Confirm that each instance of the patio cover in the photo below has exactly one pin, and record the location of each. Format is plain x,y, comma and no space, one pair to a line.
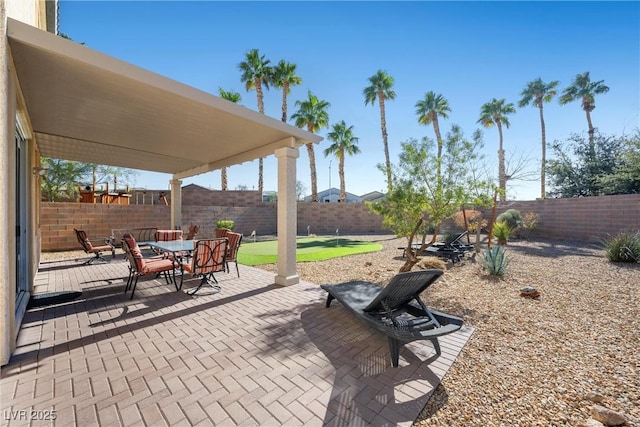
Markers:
89,107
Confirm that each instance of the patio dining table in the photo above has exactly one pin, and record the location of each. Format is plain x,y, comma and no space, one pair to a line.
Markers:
176,247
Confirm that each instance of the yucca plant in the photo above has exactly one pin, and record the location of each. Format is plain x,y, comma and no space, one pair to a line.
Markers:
623,247
496,260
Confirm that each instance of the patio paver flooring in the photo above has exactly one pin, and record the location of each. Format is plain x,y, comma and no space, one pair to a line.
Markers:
253,354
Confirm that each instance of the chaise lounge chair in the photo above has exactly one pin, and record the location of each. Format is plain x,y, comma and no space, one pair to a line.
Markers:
453,248
396,310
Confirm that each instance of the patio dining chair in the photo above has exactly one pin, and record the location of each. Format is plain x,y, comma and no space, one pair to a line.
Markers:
166,236
88,247
140,266
208,257
232,250
193,230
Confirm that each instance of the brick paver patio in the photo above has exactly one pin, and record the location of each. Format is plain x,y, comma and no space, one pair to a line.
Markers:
253,354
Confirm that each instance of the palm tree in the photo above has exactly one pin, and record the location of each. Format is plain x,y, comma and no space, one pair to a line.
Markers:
492,113
428,110
343,143
380,88
256,73
235,98
312,114
584,90
536,94
284,76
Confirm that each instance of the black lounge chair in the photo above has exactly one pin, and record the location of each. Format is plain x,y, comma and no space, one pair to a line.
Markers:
453,248
396,310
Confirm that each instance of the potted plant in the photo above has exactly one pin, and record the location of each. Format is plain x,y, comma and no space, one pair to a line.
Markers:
223,225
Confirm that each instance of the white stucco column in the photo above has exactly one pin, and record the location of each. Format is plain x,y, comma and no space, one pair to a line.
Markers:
287,216
176,203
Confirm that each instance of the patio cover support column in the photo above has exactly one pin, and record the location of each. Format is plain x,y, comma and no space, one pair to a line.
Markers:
287,216
176,204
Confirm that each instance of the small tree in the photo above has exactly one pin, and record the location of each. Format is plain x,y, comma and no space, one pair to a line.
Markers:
611,168
60,182
418,197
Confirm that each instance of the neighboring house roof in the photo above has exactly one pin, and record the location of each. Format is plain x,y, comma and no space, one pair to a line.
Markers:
195,187
132,117
372,196
334,193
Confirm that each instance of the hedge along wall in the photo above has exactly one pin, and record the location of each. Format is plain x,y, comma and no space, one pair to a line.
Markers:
585,219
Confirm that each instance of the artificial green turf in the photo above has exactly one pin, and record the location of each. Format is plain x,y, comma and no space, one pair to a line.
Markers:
307,249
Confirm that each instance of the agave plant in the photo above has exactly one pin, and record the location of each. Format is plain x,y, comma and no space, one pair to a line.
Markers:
496,260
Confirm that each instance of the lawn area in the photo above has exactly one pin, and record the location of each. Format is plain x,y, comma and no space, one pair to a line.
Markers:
308,249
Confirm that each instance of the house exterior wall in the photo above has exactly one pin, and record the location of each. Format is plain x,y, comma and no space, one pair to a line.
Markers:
32,12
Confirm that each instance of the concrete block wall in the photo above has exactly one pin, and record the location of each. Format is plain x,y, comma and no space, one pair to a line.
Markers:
584,219
349,218
199,196
57,221
262,219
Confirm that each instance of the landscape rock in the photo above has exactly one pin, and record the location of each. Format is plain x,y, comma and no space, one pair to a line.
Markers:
594,397
607,417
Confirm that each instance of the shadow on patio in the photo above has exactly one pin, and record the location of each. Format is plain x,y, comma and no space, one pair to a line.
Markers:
253,354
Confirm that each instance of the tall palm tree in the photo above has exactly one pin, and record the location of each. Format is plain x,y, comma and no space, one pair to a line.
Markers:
536,94
344,142
584,90
312,114
256,73
492,113
428,110
380,88
284,76
235,98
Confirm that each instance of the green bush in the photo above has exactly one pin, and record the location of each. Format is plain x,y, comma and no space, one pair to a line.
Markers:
623,247
225,223
496,260
512,217
502,231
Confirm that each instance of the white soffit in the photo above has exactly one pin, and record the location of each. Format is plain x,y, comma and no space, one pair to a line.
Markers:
89,107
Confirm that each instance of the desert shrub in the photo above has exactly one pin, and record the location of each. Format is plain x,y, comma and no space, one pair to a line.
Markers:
623,247
502,231
512,217
225,223
530,221
473,219
429,263
496,260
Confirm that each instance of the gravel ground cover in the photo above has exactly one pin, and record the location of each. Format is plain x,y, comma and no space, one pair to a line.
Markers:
552,361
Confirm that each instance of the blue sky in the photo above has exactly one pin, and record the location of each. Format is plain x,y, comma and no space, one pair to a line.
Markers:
470,52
